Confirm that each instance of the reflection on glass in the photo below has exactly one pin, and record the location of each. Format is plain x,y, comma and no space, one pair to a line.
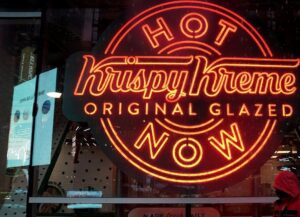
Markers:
83,194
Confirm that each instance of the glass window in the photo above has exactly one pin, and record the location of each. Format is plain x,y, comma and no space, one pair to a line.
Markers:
78,169
19,34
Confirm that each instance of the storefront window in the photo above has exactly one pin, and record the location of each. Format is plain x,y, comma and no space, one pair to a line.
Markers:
77,169
19,35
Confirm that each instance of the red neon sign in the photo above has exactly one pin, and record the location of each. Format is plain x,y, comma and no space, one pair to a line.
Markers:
181,97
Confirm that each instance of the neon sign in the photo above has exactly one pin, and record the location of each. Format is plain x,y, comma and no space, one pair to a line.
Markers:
186,91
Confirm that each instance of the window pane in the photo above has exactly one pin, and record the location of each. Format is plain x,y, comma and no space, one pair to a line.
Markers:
18,39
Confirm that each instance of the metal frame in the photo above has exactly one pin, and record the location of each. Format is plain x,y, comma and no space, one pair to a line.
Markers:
29,14
220,200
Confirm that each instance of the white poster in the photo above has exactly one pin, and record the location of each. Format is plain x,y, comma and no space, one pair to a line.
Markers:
20,131
44,119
